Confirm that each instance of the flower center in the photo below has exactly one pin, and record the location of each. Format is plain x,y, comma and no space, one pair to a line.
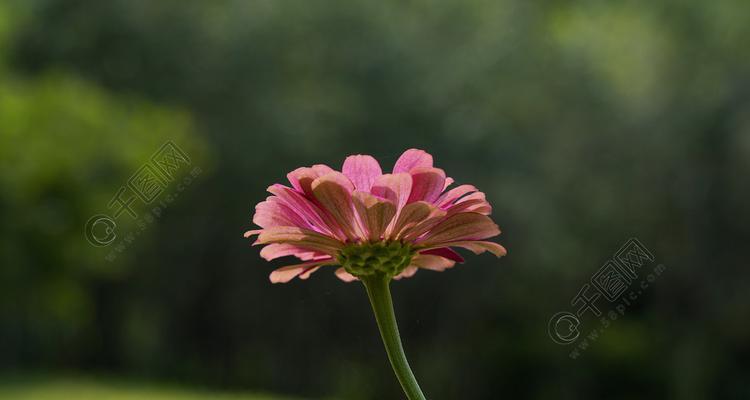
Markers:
365,259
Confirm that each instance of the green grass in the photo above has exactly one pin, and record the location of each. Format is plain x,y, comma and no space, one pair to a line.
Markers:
88,389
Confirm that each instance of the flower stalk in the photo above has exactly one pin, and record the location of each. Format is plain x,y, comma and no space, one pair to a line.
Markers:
378,290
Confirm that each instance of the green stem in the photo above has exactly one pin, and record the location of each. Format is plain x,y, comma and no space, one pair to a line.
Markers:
382,305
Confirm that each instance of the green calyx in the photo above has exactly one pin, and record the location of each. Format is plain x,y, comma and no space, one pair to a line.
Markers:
368,259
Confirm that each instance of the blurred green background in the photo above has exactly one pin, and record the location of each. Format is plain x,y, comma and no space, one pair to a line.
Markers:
585,122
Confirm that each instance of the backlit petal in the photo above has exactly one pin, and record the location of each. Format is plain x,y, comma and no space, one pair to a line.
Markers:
302,178
362,170
479,247
427,184
300,237
432,262
475,205
274,212
394,187
411,159
333,191
374,212
345,276
446,252
252,233
454,194
412,217
278,250
306,274
286,274
461,227
306,209
408,272
448,181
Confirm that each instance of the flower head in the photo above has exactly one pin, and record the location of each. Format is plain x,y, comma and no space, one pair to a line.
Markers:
370,223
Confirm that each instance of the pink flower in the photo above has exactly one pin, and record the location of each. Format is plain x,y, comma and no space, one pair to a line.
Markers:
369,222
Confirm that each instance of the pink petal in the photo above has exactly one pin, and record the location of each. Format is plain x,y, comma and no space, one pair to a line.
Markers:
252,233
474,202
479,247
414,215
448,181
306,274
302,178
362,170
446,252
485,208
333,191
300,237
411,159
394,187
338,178
408,272
274,212
345,276
427,184
461,227
452,195
374,212
286,274
278,250
432,262
476,205
473,196
307,210
412,231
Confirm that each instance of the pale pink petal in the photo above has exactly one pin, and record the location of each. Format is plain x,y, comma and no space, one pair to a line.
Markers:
479,247
474,202
411,159
274,212
410,215
278,250
333,191
302,178
446,252
252,233
427,184
485,208
306,274
461,227
307,209
415,219
475,205
362,170
432,262
448,181
286,274
300,237
345,276
482,206
394,187
374,212
408,272
452,195
470,197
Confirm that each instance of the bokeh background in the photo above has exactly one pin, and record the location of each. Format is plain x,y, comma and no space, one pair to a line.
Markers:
585,122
